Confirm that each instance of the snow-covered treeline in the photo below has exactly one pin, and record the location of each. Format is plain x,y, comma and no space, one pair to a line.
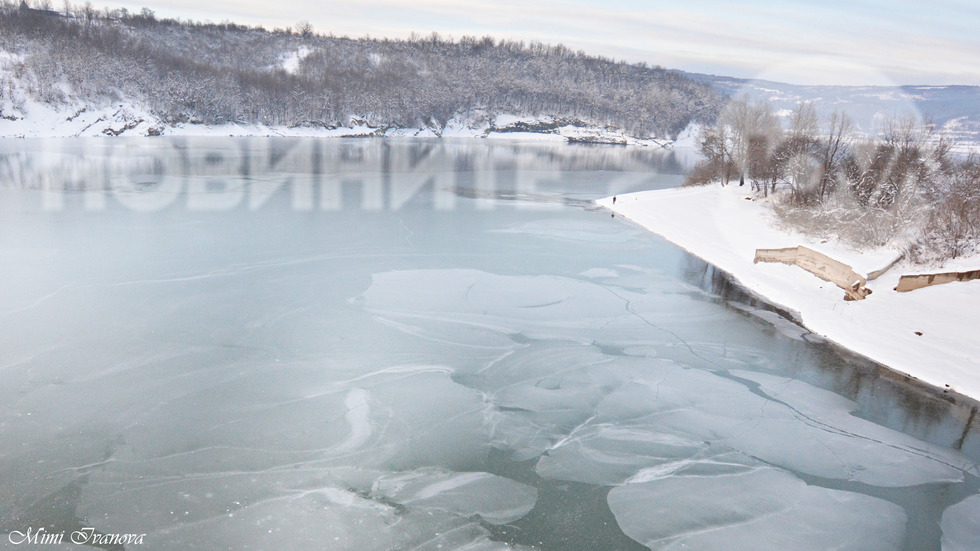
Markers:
186,72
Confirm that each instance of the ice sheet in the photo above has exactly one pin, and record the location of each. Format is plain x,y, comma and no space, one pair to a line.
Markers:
609,454
541,306
306,506
568,412
961,525
797,427
325,465
473,308
303,505
495,499
754,507
663,417
324,519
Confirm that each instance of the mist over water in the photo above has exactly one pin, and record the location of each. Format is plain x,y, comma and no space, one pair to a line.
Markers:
411,344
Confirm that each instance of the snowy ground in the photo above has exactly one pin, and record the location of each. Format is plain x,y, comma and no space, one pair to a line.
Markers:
724,226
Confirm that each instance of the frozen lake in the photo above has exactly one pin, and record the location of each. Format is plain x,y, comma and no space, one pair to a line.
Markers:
411,344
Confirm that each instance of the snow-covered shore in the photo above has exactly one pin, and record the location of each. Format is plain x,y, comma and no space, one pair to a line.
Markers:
725,225
39,120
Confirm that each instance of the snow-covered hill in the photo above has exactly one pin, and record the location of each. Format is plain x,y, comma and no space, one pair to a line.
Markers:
137,74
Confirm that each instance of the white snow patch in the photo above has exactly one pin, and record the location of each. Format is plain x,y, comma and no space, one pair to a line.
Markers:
245,130
40,120
502,121
290,61
689,137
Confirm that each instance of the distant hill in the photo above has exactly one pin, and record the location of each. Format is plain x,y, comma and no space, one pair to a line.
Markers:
81,71
80,62
954,109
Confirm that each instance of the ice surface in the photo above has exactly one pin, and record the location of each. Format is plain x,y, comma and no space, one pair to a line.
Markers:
495,499
591,415
539,306
275,378
376,419
584,231
779,323
305,505
426,302
871,454
658,421
598,273
609,454
961,525
319,519
66,544
756,508
302,469
544,394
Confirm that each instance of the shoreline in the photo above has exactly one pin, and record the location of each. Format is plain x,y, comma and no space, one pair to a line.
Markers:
854,367
724,225
128,119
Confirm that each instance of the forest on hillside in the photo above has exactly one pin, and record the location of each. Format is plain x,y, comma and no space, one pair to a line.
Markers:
208,73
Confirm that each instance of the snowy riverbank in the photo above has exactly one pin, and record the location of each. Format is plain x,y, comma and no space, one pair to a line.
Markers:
724,226
39,120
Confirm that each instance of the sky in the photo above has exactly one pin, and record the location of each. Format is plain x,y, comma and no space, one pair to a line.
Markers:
801,42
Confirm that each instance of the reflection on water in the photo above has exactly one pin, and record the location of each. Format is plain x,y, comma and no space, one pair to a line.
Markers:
217,174
388,344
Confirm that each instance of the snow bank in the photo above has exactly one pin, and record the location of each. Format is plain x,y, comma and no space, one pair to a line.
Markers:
928,334
548,128
39,120
30,119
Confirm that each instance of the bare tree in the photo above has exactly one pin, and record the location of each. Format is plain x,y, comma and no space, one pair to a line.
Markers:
803,172
304,28
835,149
746,121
